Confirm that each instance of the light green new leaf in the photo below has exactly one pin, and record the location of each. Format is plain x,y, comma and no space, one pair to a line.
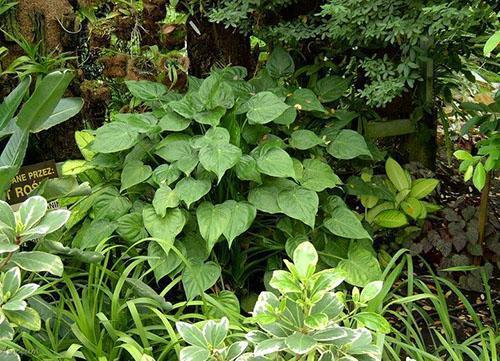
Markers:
213,220
373,321
241,217
370,291
133,173
36,261
299,203
348,144
167,227
479,177
31,211
199,277
29,319
191,190
318,176
344,223
110,205
391,218
305,259
397,175
275,162
165,198
265,107
423,187
304,139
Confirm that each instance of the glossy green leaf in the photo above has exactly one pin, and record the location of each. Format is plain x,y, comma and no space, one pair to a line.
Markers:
391,218
114,137
213,220
219,157
265,107
36,261
479,177
299,203
331,88
305,259
280,64
165,228
423,187
276,163
304,99
397,175
165,198
199,277
241,217
12,101
304,139
191,190
344,223
318,176
348,144
300,343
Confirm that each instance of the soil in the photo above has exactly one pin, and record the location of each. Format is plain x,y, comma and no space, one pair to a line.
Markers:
51,11
115,66
140,69
173,35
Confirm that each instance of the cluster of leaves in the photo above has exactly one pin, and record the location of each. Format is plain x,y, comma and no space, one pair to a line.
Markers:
31,223
302,319
43,110
228,155
390,38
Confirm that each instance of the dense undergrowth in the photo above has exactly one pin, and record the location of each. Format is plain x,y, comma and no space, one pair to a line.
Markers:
253,214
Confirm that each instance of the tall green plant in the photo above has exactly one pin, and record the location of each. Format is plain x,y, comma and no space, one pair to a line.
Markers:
43,110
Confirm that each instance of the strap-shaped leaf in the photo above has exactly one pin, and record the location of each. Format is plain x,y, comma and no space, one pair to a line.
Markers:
12,102
44,100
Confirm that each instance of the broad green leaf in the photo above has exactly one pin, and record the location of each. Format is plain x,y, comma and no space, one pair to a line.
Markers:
219,157
265,107
194,353
246,169
491,44
305,100
199,277
215,92
361,267
330,304
110,205
305,259
191,334
51,222
304,139
165,174
423,187
413,207
65,109
11,281
12,101
36,261
348,144
44,100
75,167
162,262
174,147
165,198
265,199
284,282
318,176
479,177
92,233
299,203
241,217
146,90
316,321
391,218
397,175
32,211
344,223
275,162
210,117
134,172
131,227
373,321
287,117
370,291
331,88
223,303
165,228
29,318
330,334
216,332
114,137
269,346
300,343
7,215
173,122
213,220
280,64
191,190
